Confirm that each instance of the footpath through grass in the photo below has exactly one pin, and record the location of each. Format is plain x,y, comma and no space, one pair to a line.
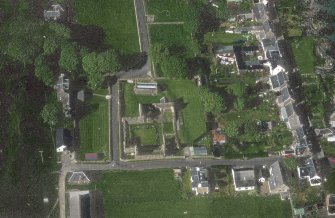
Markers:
156,193
94,127
303,51
116,17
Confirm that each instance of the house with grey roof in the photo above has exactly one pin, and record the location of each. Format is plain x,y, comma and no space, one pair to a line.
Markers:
278,81
53,14
63,94
307,171
287,111
244,178
199,180
284,97
63,139
293,122
276,180
268,30
270,48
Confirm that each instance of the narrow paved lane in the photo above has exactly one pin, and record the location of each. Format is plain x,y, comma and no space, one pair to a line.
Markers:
141,25
171,163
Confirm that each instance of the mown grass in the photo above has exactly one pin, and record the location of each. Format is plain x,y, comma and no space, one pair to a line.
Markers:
303,51
156,193
227,38
192,116
116,17
94,128
174,37
149,134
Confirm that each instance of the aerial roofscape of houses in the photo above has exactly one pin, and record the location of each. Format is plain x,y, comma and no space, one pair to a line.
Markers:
244,178
63,94
218,137
199,180
276,180
307,171
63,139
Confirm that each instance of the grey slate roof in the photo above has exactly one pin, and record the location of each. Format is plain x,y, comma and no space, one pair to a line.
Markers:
224,49
63,137
277,80
276,181
244,177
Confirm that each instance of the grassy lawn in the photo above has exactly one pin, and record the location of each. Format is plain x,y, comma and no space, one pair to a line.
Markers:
168,127
94,128
131,100
226,38
149,134
175,36
155,193
168,10
116,17
192,116
303,50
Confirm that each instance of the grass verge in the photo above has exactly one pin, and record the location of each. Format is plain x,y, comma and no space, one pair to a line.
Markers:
94,128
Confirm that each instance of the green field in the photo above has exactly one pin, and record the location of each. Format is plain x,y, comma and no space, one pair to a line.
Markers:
156,193
116,17
176,37
149,134
304,54
192,116
94,127
131,100
168,10
226,38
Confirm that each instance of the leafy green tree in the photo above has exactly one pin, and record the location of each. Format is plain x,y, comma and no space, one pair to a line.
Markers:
95,80
42,71
69,58
291,164
213,103
60,30
231,129
108,62
239,103
237,89
174,67
52,112
20,47
90,63
50,45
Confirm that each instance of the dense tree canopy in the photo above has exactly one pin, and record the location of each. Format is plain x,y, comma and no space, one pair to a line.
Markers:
69,58
213,103
97,65
52,112
42,71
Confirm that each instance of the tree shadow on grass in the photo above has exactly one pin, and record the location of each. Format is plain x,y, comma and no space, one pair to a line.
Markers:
89,36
